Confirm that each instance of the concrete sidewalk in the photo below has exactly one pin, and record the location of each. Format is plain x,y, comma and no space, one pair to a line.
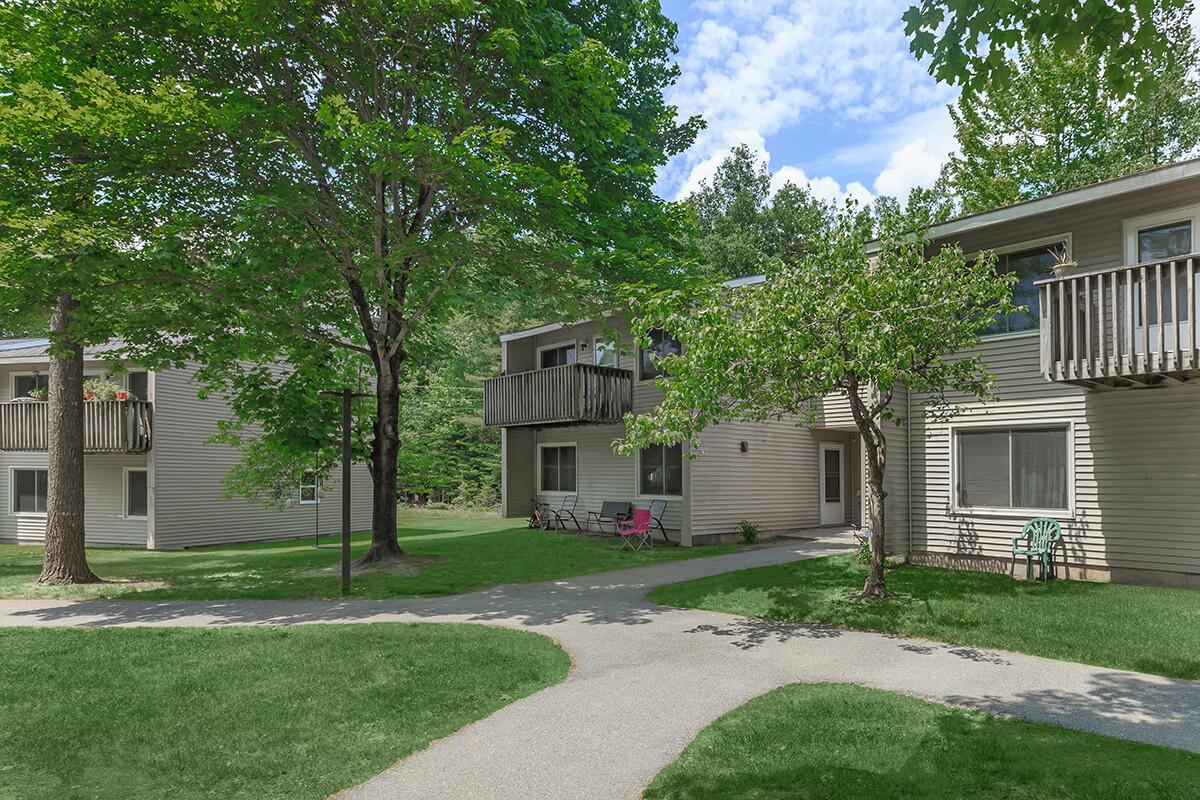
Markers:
648,678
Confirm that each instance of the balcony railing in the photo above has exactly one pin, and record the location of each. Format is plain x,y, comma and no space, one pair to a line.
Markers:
109,426
570,394
1124,327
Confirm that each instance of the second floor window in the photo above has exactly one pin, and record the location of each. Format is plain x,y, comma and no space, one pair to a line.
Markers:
24,384
1164,241
605,352
139,385
557,356
1029,266
661,344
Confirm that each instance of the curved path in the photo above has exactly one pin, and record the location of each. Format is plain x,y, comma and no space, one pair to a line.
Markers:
647,678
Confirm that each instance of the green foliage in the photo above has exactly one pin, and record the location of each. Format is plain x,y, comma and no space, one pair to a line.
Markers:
835,322
1057,125
969,42
100,389
862,551
748,531
96,131
740,224
475,154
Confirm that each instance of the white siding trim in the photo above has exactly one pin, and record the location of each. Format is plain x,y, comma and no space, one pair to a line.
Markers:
1131,226
1018,513
12,491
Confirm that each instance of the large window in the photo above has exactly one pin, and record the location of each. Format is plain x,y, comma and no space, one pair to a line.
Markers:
137,493
557,356
310,488
661,344
558,467
1029,265
1158,243
1014,468
23,385
29,491
660,471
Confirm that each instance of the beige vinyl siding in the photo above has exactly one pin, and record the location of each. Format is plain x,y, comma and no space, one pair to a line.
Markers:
103,501
189,472
600,473
1136,471
775,483
103,488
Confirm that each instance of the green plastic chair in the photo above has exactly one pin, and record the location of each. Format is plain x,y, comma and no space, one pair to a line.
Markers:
1042,534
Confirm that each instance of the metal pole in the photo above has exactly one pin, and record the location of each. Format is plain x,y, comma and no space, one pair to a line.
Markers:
346,397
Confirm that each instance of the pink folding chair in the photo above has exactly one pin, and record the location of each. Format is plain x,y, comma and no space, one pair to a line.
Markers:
635,532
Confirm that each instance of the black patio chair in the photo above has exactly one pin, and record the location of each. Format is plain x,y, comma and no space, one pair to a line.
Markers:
611,512
566,511
658,508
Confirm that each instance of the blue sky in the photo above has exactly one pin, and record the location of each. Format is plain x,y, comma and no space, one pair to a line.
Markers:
825,89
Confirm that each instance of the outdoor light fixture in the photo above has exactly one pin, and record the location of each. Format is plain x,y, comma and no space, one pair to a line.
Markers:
745,447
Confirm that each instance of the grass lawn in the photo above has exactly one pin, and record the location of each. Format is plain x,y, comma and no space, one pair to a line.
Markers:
1140,628
847,742
303,712
459,552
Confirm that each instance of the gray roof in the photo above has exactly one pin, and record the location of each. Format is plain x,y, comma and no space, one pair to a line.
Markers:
28,349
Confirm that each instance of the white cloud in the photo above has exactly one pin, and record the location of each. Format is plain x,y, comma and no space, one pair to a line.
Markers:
823,188
912,165
755,68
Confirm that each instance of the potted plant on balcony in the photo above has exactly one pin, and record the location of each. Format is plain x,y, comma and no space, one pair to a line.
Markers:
97,389
1063,265
37,394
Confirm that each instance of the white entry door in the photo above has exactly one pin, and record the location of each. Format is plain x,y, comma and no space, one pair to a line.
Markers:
833,492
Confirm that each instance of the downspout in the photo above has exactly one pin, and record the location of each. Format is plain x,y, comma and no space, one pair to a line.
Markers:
908,469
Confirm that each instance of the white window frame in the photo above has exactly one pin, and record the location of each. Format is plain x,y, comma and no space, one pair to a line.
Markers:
597,341
567,343
316,501
983,426
1063,239
1134,224
12,491
556,492
125,492
637,478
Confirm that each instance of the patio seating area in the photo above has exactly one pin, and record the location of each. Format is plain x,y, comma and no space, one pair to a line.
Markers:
613,518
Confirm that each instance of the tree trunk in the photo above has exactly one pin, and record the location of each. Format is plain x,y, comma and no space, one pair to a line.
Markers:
876,585
385,545
66,557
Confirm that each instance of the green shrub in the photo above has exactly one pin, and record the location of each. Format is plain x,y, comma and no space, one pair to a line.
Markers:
862,553
748,531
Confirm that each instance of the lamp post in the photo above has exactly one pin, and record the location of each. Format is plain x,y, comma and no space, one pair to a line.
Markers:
347,396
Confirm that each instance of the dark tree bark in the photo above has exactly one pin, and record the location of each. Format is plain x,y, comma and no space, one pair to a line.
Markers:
385,450
66,557
874,446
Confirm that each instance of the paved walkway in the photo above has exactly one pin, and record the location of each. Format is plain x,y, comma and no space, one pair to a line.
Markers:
648,678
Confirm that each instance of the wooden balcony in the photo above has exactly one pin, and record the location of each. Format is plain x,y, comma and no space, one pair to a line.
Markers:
568,395
1128,327
109,426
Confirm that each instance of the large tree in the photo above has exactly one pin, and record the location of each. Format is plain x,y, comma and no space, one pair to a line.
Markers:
391,163
837,322
740,221
1056,124
968,42
93,136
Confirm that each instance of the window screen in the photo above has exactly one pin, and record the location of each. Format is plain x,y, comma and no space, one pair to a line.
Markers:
558,468
137,493
29,491
1019,468
661,470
